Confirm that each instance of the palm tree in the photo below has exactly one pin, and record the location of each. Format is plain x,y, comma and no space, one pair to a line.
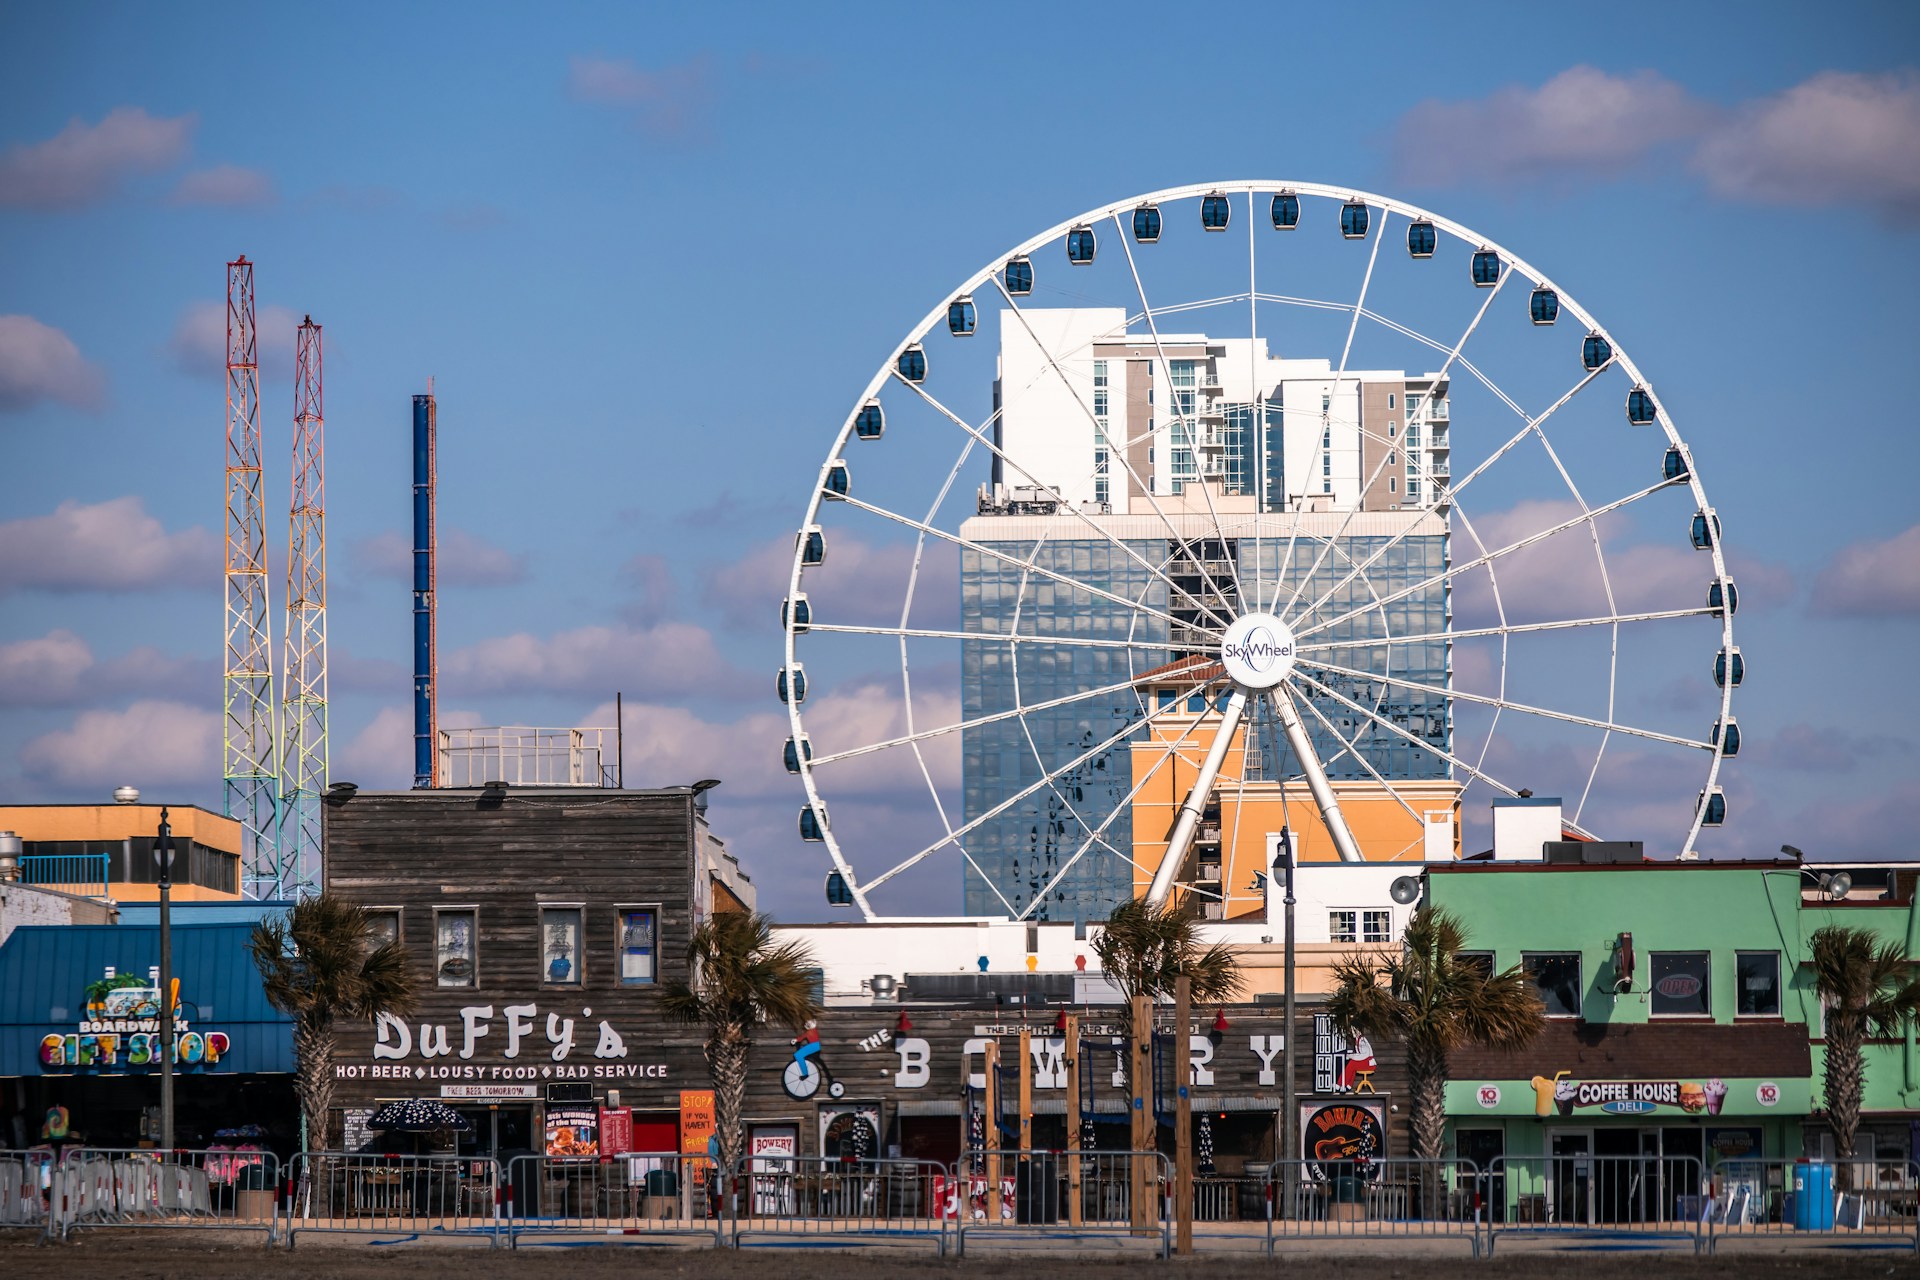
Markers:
738,980
1435,1000
1143,949
1867,987
319,965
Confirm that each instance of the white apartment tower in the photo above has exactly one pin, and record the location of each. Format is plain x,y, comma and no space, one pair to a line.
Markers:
1097,417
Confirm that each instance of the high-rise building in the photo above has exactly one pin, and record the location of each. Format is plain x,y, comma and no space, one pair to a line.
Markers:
1137,487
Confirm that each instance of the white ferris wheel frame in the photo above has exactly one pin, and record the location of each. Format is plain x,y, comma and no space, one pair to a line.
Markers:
1309,672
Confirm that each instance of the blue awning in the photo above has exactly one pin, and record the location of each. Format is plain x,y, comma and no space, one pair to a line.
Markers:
60,1014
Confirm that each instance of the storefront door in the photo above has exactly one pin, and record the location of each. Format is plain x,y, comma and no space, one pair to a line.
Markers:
1570,1175
500,1131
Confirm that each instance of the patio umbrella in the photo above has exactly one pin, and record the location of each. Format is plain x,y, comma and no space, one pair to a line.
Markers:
418,1115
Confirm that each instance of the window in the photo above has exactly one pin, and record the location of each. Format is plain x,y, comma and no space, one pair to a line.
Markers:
456,962
1389,399
1326,403
1099,373
1480,960
560,945
1376,926
1197,703
1682,983
637,946
383,926
1343,926
1390,430
1556,976
1393,483
1392,457
1756,984
1163,699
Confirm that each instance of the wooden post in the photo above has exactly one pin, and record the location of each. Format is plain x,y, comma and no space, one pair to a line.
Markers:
1073,1118
1183,1115
1026,1092
991,1099
1144,1130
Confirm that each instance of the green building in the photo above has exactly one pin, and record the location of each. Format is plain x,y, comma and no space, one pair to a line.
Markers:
1682,1019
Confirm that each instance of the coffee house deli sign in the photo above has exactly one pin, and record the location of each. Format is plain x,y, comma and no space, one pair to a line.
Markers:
1564,1095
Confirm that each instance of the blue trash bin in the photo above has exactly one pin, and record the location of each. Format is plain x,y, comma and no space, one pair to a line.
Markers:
1812,1196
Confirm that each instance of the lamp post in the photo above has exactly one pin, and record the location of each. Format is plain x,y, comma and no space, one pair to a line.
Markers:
163,854
1289,1118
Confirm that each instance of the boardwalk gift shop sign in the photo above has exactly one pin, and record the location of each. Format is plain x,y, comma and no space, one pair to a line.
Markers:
122,1029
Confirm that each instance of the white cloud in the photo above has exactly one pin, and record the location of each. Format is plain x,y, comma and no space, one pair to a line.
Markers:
151,744
105,546
860,584
88,162
44,671
39,362
667,102
59,670
1582,121
226,185
1873,579
1836,138
671,659
380,756
461,559
199,341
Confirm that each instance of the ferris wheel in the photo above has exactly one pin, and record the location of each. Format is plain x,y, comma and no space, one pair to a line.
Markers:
1242,508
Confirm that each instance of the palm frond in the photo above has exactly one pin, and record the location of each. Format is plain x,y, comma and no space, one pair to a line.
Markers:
1144,950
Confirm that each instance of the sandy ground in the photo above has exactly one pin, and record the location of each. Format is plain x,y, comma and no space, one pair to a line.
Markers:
150,1255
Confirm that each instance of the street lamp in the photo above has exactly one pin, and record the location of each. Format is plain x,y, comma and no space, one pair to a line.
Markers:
163,854
1289,1140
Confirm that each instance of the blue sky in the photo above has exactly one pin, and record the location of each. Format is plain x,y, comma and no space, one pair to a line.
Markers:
650,255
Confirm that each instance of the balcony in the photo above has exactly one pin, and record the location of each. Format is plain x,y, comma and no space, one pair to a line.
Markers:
81,874
528,757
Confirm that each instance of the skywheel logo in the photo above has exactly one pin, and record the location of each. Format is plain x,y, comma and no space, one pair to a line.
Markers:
1257,651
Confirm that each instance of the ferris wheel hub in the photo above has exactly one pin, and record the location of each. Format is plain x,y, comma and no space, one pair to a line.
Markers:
1258,651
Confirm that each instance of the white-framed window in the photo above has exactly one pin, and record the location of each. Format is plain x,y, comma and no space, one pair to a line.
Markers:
1756,984
639,945
1343,925
1682,984
1376,926
456,946
1326,404
1556,977
383,926
1099,373
562,961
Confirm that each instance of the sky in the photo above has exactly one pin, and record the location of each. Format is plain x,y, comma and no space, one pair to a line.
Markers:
650,256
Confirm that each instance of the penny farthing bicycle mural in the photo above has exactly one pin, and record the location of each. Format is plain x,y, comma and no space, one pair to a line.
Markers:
1235,507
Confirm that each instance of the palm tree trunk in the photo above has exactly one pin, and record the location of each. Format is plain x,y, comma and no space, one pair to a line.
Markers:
727,1052
1842,1085
313,1086
1427,1081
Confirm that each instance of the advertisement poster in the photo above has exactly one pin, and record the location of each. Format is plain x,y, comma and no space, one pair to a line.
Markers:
1352,1134
850,1131
573,1129
616,1130
771,1149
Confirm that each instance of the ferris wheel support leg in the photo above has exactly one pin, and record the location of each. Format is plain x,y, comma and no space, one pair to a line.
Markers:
1323,796
1189,819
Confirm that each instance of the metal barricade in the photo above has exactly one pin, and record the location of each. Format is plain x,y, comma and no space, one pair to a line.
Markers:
140,1187
441,1196
1060,1195
1781,1202
788,1199
24,1181
638,1195
1394,1198
1643,1197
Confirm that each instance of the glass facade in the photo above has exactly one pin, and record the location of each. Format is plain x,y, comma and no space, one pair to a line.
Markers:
1020,850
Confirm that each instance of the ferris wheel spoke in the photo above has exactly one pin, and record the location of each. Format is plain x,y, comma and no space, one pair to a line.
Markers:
960,726
1320,450
1361,757
1104,744
981,548
1523,708
1083,517
1454,571
1003,637
1120,455
1181,423
1455,490
1097,834
1471,633
1425,420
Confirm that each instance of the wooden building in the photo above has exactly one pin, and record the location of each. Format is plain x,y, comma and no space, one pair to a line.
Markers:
543,923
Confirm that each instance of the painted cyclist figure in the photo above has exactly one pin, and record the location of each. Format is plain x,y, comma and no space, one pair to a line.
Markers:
803,1075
